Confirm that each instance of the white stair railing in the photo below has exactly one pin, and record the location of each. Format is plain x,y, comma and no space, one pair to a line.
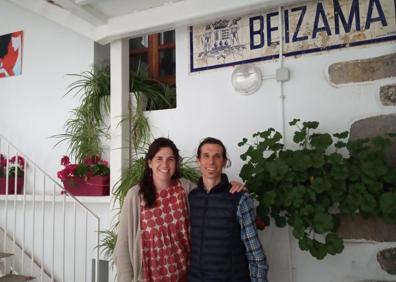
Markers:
55,234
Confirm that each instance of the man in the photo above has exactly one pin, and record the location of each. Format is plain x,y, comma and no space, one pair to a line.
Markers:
225,244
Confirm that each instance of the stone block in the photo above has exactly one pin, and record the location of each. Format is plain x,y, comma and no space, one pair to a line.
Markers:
388,95
387,259
363,70
369,228
376,126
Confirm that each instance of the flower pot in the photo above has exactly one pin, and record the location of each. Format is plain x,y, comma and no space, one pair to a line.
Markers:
93,186
11,185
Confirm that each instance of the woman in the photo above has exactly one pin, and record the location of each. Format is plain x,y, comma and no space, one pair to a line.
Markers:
153,241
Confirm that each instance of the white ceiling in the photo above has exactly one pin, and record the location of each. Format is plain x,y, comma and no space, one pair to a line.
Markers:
107,20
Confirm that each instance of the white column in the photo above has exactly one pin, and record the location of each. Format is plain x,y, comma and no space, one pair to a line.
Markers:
119,61
119,71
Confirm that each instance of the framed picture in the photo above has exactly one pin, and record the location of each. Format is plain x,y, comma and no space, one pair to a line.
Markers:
11,54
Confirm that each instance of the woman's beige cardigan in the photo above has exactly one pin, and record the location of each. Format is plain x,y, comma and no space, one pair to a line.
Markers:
127,254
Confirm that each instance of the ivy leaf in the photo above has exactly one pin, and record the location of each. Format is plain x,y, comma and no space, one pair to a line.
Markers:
322,223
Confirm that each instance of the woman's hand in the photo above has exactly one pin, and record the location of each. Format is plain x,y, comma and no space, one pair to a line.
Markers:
237,187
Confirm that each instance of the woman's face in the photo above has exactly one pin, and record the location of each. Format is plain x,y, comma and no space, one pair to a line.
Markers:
163,164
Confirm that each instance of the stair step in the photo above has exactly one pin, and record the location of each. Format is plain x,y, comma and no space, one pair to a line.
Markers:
4,255
15,278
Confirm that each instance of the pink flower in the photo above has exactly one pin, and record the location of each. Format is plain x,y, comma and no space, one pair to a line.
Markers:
106,163
65,161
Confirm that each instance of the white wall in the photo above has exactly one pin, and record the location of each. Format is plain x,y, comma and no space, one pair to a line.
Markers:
207,105
32,106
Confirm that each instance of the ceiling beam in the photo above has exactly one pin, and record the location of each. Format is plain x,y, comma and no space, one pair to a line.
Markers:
85,12
58,15
169,16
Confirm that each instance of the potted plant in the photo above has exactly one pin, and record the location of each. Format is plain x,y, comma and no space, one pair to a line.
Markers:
326,176
16,167
91,177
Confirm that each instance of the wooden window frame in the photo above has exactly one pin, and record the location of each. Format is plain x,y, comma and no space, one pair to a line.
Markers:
153,57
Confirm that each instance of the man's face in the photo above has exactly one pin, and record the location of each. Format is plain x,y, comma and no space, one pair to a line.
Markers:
211,161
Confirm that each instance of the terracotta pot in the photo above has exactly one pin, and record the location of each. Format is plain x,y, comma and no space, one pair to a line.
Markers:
11,185
94,186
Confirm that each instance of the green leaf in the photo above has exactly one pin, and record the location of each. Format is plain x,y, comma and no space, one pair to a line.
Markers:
243,142
388,203
311,124
280,221
341,135
318,250
305,243
321,141
339,172
321,185
268,198
334,244
340,144
368,203
299,136
294,121
335,158
277,169
322,223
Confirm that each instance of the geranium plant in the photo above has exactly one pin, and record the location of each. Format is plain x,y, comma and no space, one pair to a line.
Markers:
16,166
308,188
89,167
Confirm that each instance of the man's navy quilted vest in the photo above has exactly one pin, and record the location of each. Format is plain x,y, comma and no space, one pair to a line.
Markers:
218,253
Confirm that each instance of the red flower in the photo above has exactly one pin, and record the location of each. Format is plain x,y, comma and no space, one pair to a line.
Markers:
260,223
92,160
3,160
21,161
90,166
65,161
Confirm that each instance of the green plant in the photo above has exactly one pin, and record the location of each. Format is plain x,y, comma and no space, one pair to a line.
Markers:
86,129
307,188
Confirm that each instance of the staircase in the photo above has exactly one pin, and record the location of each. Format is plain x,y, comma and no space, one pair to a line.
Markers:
46,234
11,277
